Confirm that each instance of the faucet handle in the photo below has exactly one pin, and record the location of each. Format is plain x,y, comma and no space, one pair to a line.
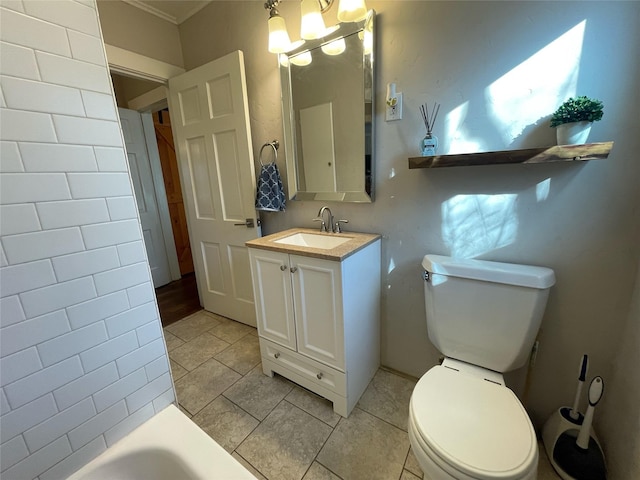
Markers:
339,225
323,226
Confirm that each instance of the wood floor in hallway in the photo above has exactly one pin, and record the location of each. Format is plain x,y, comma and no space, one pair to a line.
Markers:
178,299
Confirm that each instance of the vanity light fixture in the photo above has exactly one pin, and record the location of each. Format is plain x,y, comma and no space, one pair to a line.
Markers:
311,23
352,10
279,41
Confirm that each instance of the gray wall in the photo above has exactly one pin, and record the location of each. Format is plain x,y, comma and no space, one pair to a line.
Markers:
620,410
133,29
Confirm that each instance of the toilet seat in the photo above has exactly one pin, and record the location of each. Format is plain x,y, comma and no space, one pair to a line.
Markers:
471,427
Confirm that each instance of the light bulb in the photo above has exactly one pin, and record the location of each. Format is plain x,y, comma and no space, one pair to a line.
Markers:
311,24
302,59
278,37
334,48
352,10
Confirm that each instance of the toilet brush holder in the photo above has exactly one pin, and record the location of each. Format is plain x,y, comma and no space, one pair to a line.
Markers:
571,443
559,439
557,424
573,463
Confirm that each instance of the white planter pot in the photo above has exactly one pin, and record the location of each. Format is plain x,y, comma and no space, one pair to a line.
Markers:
574,133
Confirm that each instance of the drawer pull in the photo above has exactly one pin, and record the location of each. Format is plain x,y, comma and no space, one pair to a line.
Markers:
319,376
283,268
276,355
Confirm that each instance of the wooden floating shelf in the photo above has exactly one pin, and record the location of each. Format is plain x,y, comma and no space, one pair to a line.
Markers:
557,153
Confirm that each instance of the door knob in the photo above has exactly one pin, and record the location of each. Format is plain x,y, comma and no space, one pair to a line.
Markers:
283,267
248,223
294,269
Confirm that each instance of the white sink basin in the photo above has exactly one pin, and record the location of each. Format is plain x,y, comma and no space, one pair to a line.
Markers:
313,240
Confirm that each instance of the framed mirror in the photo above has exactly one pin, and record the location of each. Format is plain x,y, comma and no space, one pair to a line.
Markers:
327,104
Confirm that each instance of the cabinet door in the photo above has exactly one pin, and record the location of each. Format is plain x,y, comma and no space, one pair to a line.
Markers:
272,286
317,299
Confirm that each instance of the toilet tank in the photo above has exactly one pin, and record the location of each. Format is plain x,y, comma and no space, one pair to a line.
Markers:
485,313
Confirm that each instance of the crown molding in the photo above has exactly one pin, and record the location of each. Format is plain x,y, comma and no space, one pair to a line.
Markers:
152,10
164,15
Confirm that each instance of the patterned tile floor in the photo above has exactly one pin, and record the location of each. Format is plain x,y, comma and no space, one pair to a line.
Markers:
279,430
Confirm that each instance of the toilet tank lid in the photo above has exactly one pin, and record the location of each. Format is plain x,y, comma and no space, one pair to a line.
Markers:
485,270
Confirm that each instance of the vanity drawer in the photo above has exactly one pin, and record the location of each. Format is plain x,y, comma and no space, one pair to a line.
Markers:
309,369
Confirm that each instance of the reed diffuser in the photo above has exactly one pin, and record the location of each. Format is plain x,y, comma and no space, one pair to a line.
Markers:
429,143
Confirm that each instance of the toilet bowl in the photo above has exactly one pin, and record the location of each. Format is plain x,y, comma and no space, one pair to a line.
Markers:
464,422
463,426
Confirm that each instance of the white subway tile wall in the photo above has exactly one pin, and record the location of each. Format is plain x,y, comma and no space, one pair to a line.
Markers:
111,160
3,258
86,48
140,294
122,208
82,358
48,157
20,218
9,150
20,61
10,311
130,253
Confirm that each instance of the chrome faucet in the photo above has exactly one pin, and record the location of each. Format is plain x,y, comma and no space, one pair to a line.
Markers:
331,225
328,225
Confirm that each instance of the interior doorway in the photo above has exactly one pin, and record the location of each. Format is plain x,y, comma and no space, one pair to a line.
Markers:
178,298
215,157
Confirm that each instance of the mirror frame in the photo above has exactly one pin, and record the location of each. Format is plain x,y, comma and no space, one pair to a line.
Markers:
289,121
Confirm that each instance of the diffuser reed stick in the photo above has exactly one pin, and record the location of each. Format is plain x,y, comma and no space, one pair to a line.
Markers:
429,118
429,143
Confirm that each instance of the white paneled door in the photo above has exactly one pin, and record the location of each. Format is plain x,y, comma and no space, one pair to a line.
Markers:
141,175
210,118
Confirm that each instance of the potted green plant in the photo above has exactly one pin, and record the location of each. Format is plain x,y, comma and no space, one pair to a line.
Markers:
573,119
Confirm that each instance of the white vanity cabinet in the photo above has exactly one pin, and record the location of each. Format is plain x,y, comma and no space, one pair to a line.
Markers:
318,319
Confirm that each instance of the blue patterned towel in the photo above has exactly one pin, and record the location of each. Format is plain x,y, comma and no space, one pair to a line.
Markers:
270,195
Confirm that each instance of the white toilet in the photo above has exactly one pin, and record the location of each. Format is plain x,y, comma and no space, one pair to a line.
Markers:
464,423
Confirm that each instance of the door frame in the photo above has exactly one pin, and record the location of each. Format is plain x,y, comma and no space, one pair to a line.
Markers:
124,62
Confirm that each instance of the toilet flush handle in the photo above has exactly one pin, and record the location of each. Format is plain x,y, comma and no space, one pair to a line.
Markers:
426,276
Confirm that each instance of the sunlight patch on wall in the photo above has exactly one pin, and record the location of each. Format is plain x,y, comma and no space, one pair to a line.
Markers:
392,266
476,224
459,141
536,87
542,190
